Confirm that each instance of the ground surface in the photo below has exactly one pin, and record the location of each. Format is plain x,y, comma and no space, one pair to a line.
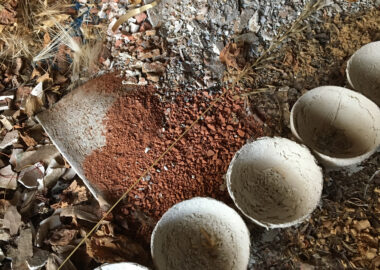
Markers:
186,49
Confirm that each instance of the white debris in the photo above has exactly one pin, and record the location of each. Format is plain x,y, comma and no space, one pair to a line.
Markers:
253,23
38,91
134,27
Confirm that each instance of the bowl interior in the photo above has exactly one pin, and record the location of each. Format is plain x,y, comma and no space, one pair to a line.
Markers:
200,234
275,181
337,122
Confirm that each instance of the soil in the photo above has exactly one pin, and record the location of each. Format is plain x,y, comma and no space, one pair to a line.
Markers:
140,127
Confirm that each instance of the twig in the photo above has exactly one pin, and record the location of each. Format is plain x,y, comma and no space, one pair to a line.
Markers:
369,181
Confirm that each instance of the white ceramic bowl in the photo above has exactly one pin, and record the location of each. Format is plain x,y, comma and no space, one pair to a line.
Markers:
363,71
341,126
201,234
275,182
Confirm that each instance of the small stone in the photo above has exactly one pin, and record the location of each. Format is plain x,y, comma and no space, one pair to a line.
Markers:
150,32
149,54
130,80
152,77
155,67
253,23
118,43
142,81
134,27
210,153
241,133
141,17
145,26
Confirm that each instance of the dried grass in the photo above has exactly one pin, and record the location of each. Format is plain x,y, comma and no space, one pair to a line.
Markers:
34,18
246,76
85,62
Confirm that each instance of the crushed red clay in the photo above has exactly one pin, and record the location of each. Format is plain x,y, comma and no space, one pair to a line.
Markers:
140,127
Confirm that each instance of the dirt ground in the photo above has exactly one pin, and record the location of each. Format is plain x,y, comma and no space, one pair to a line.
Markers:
46,210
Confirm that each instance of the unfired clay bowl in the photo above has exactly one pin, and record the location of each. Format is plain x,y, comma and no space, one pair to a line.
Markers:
202,234
341,126
121,266
363,71
275,182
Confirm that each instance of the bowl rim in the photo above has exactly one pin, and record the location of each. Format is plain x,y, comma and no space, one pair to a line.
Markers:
327,160
269,225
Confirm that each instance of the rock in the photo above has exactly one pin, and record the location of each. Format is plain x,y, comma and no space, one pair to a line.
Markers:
245,17
145,26
153,77
149,54
141,17
253,24
155,67
134,27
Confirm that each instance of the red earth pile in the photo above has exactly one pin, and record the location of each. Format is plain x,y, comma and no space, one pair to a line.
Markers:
140,127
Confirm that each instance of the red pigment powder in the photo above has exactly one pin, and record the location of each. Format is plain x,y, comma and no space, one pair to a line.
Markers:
140,128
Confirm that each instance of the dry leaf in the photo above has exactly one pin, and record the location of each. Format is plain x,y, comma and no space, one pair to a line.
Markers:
12,220
24,250
75,193
21,95
35,73
18,66
6,122
46,225
38,260
79,212
44,154
9,139
53,172
62,237
47,39
54,262
32,176
33,105
29,141
45,77
114,249
233,55
8,178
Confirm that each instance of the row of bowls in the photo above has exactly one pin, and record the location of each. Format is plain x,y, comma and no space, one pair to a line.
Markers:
275,182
